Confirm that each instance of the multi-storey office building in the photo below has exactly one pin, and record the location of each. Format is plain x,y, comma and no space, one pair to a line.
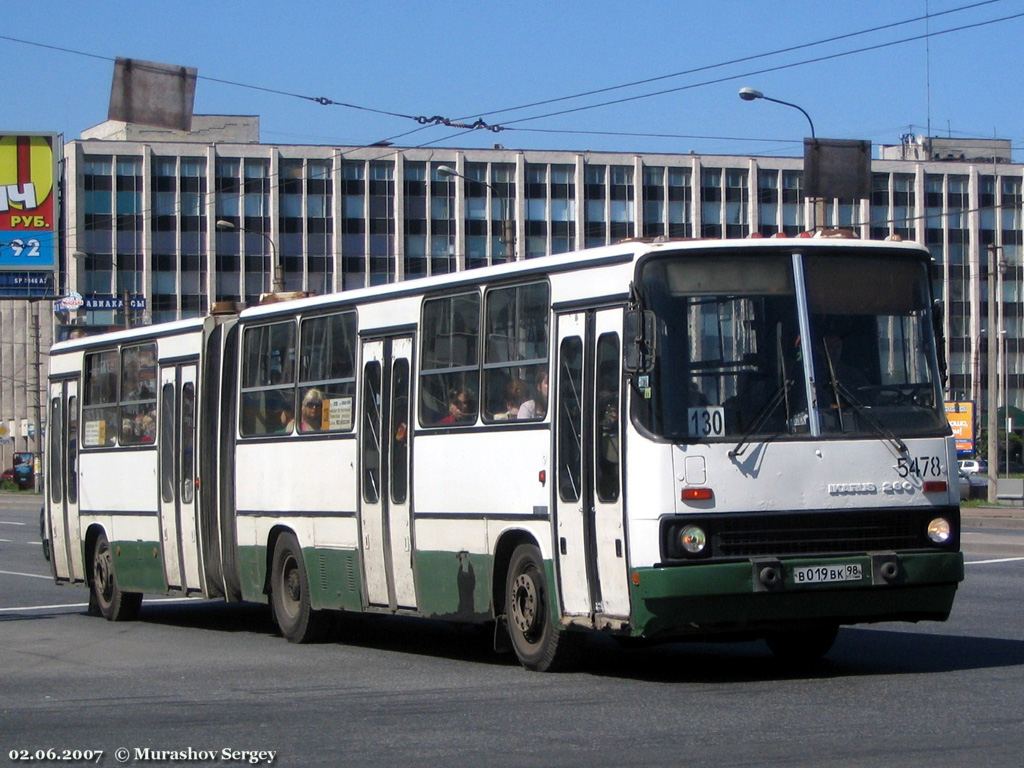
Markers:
176,221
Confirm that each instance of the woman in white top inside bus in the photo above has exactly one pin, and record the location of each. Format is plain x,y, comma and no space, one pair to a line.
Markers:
538,406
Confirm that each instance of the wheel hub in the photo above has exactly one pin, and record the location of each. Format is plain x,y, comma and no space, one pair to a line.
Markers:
524,603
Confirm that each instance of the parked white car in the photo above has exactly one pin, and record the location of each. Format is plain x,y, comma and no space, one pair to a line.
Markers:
973,466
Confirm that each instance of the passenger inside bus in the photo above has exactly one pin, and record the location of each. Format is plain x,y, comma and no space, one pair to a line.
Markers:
515,394
460,407
312,411
538,406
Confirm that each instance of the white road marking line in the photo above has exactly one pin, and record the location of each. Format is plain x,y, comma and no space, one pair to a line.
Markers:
32,575
10,522
86,605
7,541
1000,560
44,607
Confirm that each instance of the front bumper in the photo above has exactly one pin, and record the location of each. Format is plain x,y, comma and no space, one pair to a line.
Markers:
733,598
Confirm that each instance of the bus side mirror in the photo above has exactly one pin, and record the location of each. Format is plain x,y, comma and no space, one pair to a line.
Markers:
640,332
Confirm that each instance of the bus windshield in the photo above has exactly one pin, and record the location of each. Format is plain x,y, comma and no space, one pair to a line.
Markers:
727,362
873,346
731,363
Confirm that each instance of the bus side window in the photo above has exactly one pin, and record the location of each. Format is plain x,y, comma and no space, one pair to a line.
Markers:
516,351
327,368
138,395
450,366
99,406
268,380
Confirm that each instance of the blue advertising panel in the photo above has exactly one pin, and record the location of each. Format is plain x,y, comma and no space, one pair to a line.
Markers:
28,214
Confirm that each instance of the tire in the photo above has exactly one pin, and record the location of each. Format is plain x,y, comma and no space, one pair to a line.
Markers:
539,645
804,645
106,598
289,595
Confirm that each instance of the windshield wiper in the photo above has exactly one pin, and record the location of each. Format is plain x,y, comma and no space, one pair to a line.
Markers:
781,395
862,411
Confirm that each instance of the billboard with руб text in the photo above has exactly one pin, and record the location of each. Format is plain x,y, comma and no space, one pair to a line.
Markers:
28,213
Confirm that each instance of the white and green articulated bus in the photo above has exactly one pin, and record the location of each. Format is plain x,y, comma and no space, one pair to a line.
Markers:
655,440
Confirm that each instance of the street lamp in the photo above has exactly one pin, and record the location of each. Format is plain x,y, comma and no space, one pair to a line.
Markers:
278,275
508,235
752,94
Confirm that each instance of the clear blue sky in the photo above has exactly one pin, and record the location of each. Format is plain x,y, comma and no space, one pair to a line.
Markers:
470,59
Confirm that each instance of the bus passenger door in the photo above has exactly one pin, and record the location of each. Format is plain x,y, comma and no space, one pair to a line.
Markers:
590,533
177,470
371,474
573,560
62,482
605,416
385,528
398,436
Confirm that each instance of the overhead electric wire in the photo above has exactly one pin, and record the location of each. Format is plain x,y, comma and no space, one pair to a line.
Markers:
739,60
777,68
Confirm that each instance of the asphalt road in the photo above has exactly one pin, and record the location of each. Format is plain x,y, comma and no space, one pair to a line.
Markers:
209,677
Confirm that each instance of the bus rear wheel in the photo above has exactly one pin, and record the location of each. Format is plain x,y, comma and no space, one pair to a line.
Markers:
106,598
289,595
539,645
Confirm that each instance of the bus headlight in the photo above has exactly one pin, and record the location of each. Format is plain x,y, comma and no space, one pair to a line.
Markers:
693,539
939,530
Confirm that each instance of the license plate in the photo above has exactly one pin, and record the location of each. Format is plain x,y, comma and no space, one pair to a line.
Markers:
825,574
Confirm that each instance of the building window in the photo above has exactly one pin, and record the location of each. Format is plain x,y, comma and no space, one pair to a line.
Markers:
680,202
595,221
475,222
382,221
442,222
768,201
415,188
736,200
503,201
319,225
353,224
654,201
536,210
711,202
620,202
792,202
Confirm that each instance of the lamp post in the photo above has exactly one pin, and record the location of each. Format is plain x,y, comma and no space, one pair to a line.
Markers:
277,286
508,236
752,94
992,386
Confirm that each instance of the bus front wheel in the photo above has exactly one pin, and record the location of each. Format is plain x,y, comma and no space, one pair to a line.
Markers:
539,645
289,595
106,598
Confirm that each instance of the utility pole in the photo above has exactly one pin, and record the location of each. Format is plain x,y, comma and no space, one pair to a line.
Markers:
992,386
37,406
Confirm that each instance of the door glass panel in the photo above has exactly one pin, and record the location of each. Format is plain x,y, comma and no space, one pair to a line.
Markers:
56,471
400,431
188,434
570,410
167,442
72,458
606,417
371,432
